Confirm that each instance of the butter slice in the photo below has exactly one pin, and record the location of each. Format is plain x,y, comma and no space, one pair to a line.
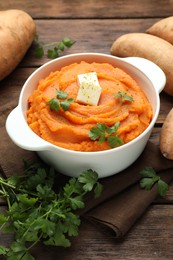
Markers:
89,89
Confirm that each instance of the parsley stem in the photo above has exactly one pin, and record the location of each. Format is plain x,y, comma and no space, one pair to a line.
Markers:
3,183
2,226
50,44
40,217
6,196
6,184
33,244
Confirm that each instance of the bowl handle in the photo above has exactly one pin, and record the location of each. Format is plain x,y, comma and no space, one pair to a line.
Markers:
151,70
21,134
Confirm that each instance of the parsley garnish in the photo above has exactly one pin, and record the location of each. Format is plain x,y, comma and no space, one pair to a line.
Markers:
60,101
104,133
123,96
149,178
54,52
36,213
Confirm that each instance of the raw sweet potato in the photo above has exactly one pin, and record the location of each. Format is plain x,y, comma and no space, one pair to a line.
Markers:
17,31
163,29
166,136
150,47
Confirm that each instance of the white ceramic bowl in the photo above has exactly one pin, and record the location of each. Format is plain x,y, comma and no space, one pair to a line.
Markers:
148,75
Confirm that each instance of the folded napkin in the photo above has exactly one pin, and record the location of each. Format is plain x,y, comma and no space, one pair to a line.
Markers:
119,213
122,201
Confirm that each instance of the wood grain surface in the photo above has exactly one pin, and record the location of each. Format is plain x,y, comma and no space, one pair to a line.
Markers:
94,25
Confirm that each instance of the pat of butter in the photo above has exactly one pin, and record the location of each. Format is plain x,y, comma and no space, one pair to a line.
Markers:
89,89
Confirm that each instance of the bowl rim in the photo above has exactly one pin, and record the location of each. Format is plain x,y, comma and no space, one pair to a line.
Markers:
50,146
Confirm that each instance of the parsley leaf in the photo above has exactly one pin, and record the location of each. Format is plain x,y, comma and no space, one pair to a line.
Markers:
113,129
3,250
88,178
147,183
150,178
98,132
39,52
67,42
114,141
36,213
54,104
54,52
66,104
163,187
60,101
104,133
61,94
123,96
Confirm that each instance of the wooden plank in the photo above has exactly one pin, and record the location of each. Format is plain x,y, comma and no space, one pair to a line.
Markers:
94,25
153,242
91,35
147,239
10,90
91,9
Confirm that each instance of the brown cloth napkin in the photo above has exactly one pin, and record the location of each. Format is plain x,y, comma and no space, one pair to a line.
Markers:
120,212
122,201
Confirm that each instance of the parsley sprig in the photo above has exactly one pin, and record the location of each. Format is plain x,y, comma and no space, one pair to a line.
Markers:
104,133
149,178
37,213
54,48
123,96
60,101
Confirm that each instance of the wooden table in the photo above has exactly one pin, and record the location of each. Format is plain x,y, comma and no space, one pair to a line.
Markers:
94,25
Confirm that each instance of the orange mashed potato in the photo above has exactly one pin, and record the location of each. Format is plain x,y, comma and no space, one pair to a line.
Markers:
69,129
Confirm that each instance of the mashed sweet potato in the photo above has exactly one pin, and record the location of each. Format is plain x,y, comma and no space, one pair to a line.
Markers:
69,129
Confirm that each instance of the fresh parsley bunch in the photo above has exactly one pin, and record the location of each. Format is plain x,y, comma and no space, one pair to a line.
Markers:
36,213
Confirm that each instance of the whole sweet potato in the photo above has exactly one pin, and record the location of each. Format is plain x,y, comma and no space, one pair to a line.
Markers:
17,31
150,47
166,136
163,29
